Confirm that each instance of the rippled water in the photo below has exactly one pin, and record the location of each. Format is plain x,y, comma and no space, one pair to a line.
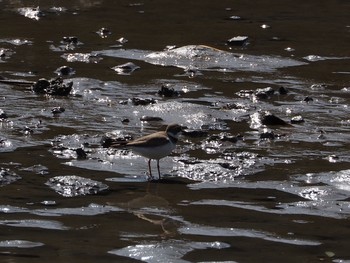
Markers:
238,188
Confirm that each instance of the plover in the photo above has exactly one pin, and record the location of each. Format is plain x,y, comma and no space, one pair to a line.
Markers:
154,146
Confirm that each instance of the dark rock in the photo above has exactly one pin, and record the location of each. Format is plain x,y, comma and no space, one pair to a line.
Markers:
3,115
150,118
108,141
140,101
27,130
104,32
57,110
223,137
5,53
308,99
282,90
264,93
81,154
228,166
230,106
41,85
270,119
126,120
7,177
65,71
52,87
194,133
70,40
72,185
165,91
123,102
267,135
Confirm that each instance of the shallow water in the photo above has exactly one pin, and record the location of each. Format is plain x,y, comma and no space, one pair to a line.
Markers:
236,189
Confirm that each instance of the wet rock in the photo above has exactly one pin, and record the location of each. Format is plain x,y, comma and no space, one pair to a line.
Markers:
37,169
5,53
3,115
245,93
238,41
122,40
82,57
52,87
234,17
165,91
31,12
123,102
27,131
224,137
141,101
7,177
150,118
72,185
65,71
126,120
228,166
81,154
297,119
308,99
4,143
125,69
264,93
282,91
108,140
270,135
70,40
104,32
194,133
270,119
57,110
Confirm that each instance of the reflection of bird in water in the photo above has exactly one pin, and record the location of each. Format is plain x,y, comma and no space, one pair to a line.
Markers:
154,146
153,209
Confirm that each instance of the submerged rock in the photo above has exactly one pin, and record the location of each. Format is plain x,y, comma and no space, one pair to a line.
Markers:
194,133
125,69
165,91
238,41
264,93
7,177
141,101
3,115
224,137
282,91
103,32
70,40
52,87
65,71
270,119
57,110
72,185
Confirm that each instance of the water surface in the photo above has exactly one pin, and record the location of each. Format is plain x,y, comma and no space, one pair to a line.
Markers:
236,189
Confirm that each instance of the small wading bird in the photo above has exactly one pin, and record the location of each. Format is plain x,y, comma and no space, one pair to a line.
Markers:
154,146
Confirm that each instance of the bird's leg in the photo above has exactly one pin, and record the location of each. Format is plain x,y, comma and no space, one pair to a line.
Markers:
150,170
158,169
